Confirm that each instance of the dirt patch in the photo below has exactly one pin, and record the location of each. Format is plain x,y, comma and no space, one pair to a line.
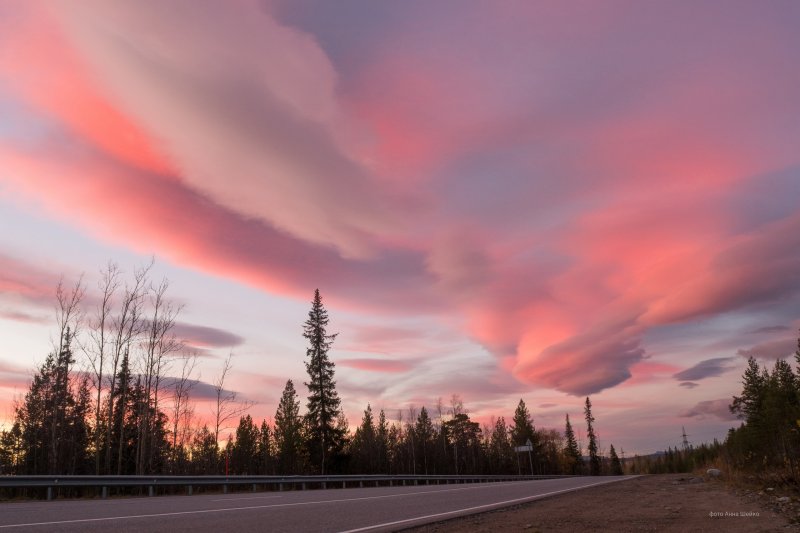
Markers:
672,502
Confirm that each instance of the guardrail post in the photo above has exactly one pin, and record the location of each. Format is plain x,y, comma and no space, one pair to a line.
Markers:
49,493
150,491
304,486
344,484
254,487
391,483
190,490
224,489
280,487
104,493
324,485
360,484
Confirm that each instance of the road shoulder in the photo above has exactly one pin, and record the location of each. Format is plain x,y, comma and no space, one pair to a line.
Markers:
648,503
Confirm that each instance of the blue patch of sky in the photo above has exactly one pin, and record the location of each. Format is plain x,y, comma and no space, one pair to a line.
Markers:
20,123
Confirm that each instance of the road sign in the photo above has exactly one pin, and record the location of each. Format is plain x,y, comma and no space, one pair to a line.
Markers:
520,449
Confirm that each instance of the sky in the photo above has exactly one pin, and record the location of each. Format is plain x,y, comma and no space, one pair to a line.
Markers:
541,200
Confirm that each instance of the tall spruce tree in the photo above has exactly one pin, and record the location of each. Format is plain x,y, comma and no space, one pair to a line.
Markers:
571,451
325,435
594,459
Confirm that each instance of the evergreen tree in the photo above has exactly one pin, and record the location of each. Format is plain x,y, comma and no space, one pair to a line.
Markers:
425,438
204,452
616,465
382,443
501,451
325,434
288,433
364,446
12,451
265,461
571,451
124,423
464,437
754,382
244,452
52,419
797,357
594,459
523,431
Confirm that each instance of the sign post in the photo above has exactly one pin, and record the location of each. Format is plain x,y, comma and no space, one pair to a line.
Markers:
528,447
529,444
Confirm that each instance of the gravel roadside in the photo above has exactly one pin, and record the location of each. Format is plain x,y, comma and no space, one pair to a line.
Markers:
671,502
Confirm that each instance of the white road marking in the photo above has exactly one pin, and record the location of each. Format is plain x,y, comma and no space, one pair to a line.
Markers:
248,498
226,509
478,507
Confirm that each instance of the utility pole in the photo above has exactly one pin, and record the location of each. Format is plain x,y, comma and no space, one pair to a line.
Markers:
685,440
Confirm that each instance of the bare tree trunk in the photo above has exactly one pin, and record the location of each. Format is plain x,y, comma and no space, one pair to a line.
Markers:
109,283
126,326
227,406
182,388
68,317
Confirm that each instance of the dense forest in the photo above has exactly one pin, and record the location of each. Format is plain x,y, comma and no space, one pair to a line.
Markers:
128,409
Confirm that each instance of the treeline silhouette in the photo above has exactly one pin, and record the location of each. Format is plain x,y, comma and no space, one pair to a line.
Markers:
127,408
767,441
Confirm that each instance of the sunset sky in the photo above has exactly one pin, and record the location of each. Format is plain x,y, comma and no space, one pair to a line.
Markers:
501,200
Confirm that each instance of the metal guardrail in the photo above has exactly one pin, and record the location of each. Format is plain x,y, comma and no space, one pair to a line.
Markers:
281,482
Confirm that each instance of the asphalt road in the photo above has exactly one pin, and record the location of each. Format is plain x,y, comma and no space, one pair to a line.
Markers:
334,510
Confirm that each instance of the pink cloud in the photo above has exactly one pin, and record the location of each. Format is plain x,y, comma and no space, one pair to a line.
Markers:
647,371
563,204
121,204
16,381
20,316
56,79
262,107
205,336
21,280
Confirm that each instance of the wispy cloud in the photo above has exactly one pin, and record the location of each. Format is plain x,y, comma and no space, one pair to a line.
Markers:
771,329
391,366
206,336
706,369
714,408
771,350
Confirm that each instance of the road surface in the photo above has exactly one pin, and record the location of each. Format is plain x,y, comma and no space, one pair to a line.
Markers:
335,510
